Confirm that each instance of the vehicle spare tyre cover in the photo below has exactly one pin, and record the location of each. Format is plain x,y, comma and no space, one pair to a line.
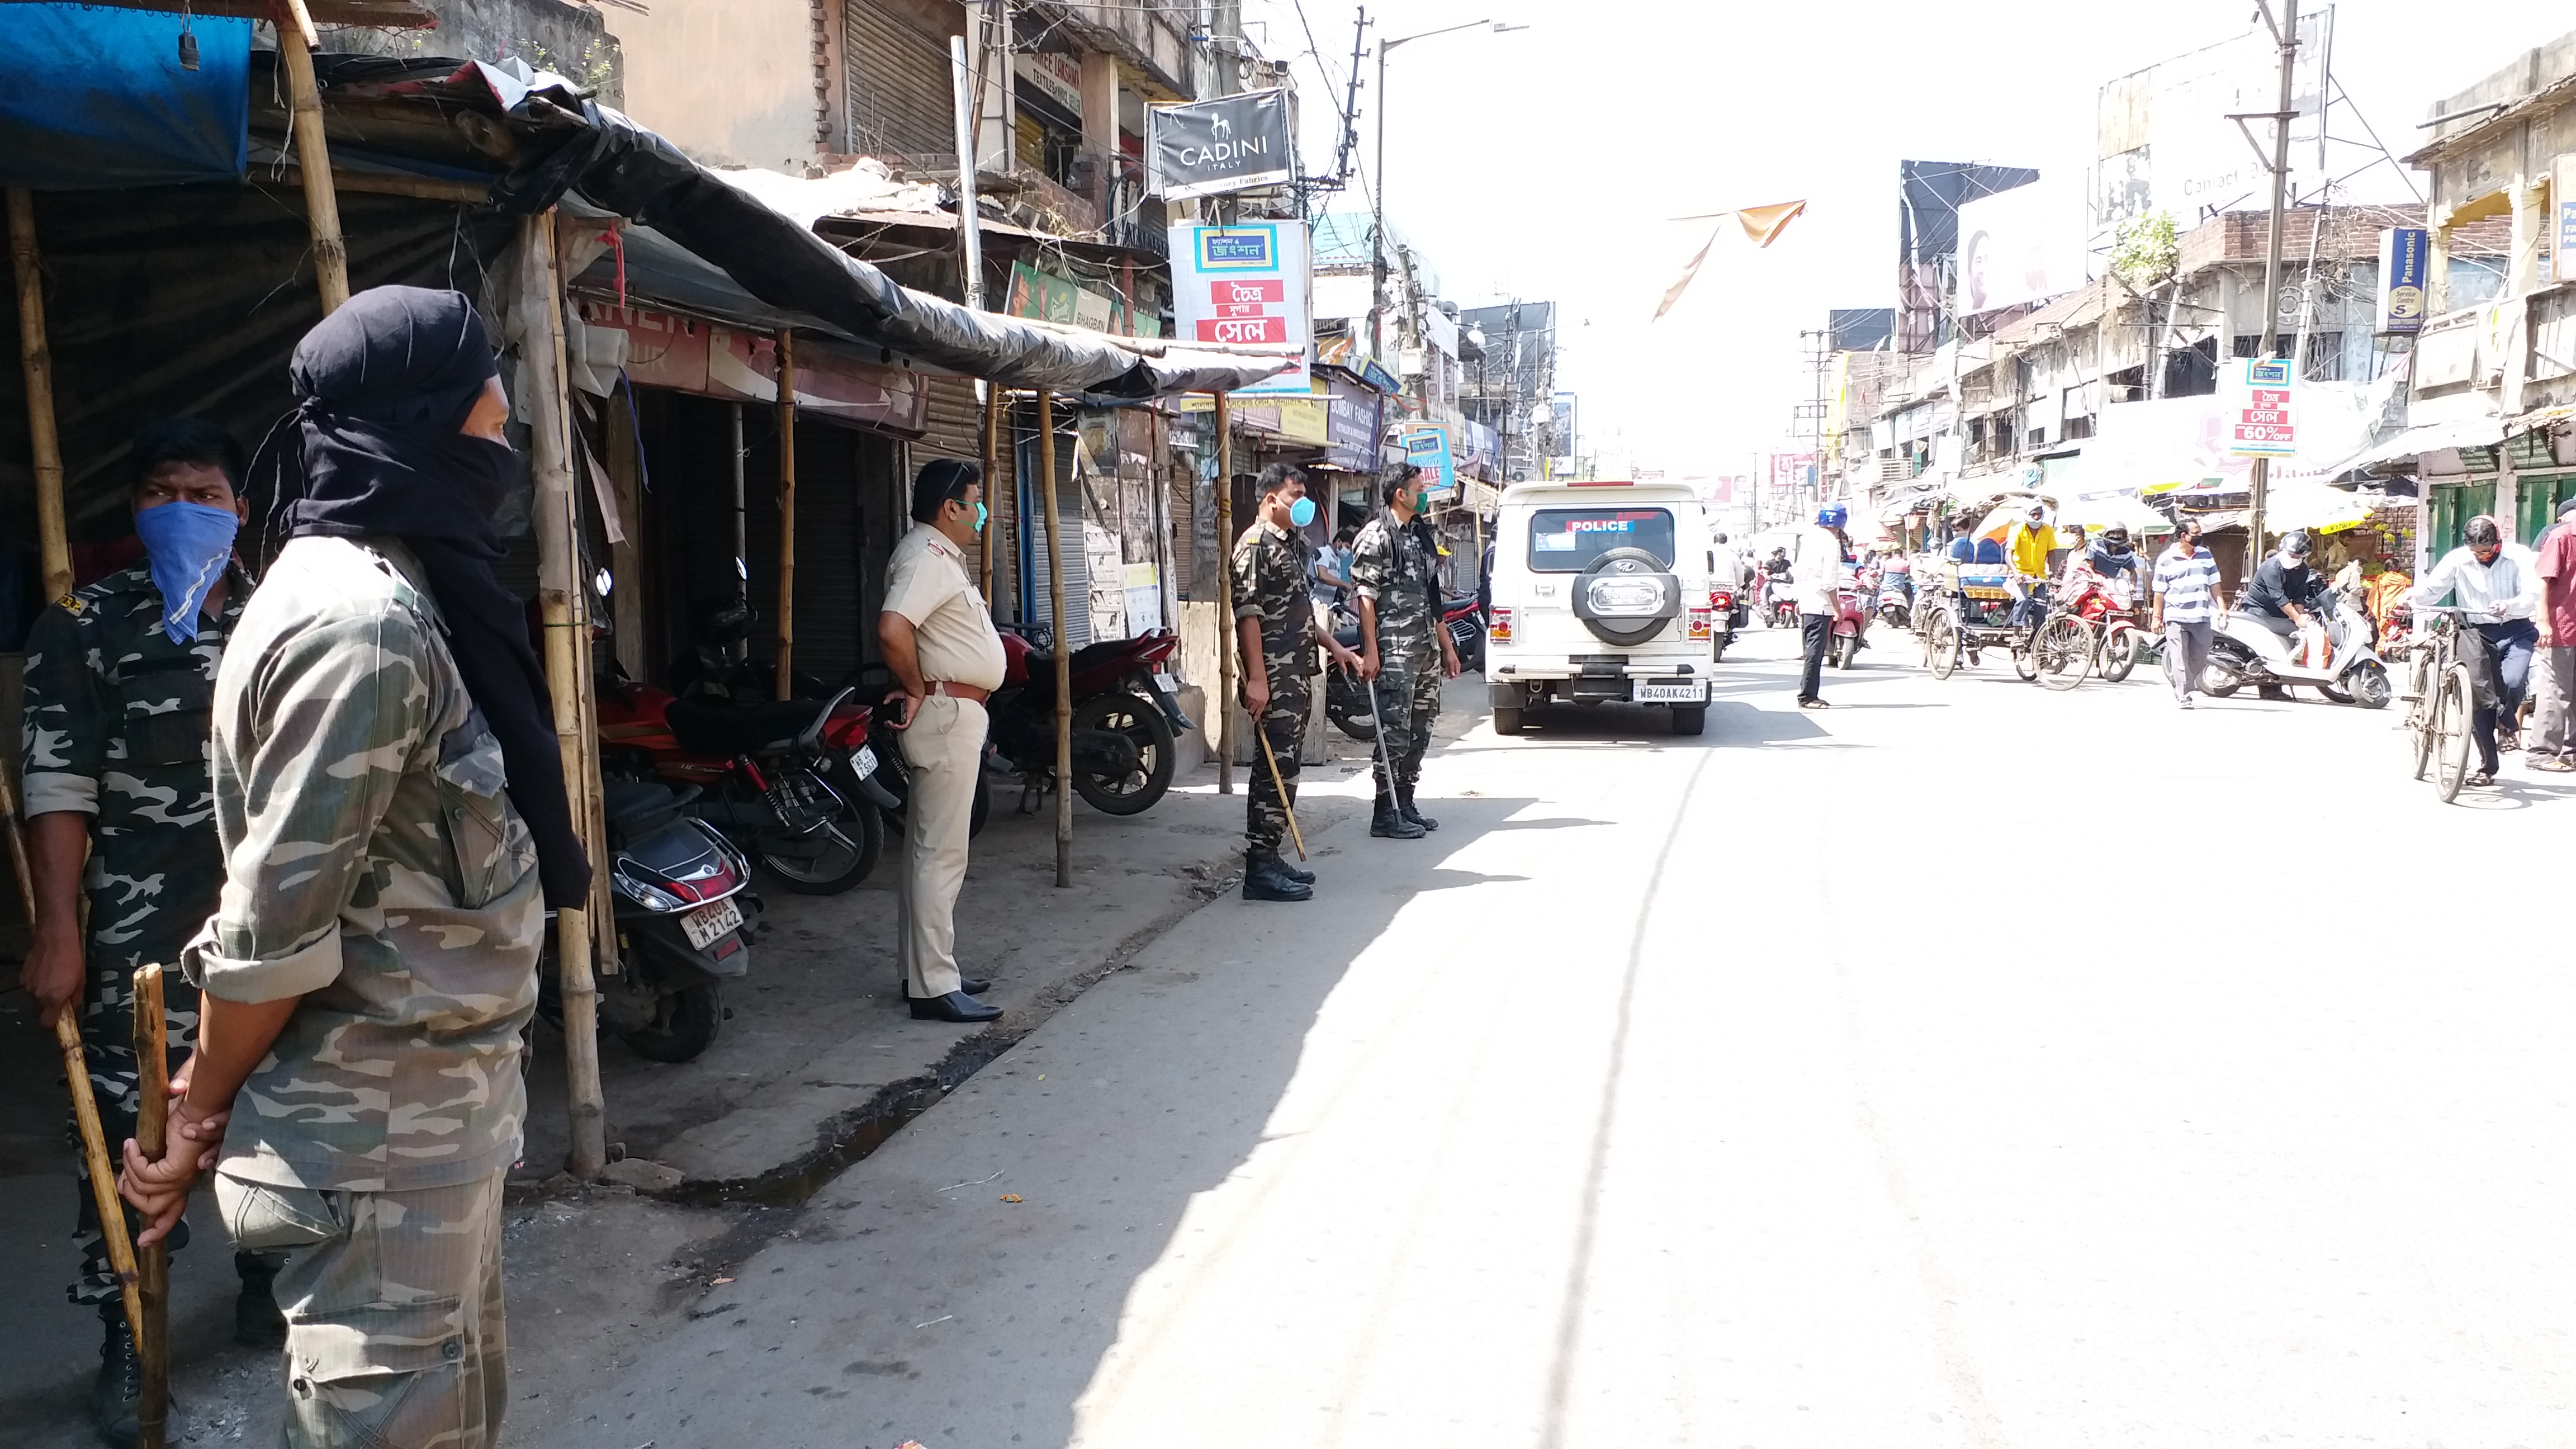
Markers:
1627,596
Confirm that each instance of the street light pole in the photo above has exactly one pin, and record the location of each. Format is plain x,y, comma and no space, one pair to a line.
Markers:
1377,224
2260,484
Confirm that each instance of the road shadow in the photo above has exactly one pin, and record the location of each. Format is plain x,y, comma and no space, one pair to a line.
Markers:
968,1283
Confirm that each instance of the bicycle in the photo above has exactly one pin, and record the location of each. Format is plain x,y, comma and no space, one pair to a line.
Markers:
2439,695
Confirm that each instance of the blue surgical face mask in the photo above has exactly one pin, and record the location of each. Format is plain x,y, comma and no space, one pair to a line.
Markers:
188,545
1302,512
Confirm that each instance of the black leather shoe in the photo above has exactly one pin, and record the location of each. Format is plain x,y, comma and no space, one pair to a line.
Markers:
1264,879
971,985
257,1322
117,1392
955,1006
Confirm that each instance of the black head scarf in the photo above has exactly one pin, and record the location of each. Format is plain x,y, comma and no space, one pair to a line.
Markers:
372,447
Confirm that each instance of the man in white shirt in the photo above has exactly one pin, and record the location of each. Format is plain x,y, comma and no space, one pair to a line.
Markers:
940,642
1814,576
2498,585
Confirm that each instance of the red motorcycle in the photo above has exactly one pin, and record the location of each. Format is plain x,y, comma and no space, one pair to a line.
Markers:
1851,616
1125,722
1723,620
790,783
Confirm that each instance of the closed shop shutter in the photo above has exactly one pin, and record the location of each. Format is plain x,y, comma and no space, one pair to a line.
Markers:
902,102
955,429
1039,605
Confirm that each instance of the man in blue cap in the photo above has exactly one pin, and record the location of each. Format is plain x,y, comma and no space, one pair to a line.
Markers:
1815,575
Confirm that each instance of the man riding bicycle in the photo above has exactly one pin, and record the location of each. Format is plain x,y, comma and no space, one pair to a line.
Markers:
2027,548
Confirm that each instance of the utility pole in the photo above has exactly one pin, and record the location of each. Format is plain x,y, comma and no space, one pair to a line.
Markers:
2286,30
1351,104
1377,224
1225,28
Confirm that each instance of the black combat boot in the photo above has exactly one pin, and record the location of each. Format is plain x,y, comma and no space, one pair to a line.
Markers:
1299,875
1390,823
257,1323
1404,805
1264,879
117,1392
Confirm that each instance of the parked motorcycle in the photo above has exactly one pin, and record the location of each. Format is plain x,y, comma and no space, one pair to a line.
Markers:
788,782
678,887
2245,650
1465,621
1124,719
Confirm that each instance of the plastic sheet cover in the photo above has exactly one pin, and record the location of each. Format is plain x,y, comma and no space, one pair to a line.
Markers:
620,166
95,98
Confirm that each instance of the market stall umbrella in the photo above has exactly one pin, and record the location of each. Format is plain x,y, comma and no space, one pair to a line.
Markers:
2315,507
2115,510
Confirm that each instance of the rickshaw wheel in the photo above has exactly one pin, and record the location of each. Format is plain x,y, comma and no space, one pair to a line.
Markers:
1941,644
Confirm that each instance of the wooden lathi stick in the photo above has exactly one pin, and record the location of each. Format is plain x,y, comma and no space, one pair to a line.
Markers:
152,1139
102,1169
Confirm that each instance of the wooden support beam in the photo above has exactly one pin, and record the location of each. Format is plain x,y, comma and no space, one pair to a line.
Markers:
786,688
385,183
992,455
374,14
152,1139
538,309
313,156
36,362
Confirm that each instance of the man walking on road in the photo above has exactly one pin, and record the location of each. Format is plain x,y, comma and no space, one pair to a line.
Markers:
1815,577
2554,665
940,642
389,797
1278,628
2187,608
1395,570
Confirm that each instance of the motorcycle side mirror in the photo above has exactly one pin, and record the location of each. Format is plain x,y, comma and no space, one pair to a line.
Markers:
602,582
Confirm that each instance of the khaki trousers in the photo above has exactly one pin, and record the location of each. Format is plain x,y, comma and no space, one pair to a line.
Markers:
944,745
393,1310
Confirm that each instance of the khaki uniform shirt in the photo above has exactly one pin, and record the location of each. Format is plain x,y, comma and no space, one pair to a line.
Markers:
953,634
374,866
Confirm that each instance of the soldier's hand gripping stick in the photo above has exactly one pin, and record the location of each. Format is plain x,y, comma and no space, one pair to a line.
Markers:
1285,805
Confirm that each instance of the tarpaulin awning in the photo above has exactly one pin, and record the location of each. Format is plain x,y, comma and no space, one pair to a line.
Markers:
2433,438
96,99
618,165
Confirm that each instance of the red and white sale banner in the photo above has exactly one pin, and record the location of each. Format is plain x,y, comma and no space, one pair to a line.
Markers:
2260,415
1245,286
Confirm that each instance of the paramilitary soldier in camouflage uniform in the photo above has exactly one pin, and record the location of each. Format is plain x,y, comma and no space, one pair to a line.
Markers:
1277,628
1395,568
366,975
120,677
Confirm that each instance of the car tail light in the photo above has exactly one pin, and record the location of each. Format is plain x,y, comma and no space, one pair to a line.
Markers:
1699,621
1499,628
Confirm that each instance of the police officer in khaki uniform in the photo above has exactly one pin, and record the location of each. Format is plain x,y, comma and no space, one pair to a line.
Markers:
120,677
1278,629
940,642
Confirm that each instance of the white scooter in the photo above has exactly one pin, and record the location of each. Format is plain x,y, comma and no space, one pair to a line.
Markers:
2246,651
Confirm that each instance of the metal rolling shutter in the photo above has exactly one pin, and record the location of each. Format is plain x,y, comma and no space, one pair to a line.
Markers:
901,99
1069,552
955,429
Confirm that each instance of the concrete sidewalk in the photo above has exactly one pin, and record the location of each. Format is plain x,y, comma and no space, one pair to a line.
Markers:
816,1065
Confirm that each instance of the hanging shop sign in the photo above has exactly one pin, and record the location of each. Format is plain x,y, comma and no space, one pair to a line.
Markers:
2562,196
1351,426
1206,148
1058,78
687,354
1046,297
2259,422
1426,446
1245,285
2405,271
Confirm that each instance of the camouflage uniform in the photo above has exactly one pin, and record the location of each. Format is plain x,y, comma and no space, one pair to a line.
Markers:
379,872
1393,564
1270,584
117,716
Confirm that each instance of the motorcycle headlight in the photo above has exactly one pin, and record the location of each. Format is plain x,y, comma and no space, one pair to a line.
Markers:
863,762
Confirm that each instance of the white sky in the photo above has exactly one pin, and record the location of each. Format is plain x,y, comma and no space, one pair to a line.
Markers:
1542,164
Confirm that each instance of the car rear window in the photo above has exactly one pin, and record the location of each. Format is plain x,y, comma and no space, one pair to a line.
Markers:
1567,540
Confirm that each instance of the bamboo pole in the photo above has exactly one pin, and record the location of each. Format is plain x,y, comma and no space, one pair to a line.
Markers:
36,360
295,42
1225,665
786,511
19,864
102,1173
152,1139
992,456
539,310
1063,650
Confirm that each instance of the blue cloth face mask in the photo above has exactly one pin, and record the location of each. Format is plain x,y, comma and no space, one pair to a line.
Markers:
1302,512
189,544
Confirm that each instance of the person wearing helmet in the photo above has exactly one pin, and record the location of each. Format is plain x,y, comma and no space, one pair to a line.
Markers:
2284,598
1822,551
2498,586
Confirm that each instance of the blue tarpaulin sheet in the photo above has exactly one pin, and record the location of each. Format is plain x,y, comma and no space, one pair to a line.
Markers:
96,97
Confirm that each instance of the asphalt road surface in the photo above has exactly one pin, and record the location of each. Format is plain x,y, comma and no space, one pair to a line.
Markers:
1961,1065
